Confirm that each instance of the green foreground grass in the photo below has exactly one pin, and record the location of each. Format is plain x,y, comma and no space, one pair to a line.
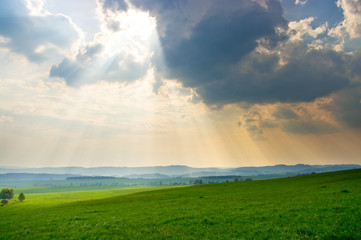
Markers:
41,196
319,206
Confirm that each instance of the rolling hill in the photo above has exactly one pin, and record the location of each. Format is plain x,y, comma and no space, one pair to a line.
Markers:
182,171
317,206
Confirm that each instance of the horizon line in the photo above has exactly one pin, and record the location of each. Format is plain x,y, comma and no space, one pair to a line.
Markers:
177,165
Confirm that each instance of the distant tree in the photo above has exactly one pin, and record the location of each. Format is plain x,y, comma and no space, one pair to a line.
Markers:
4,202
7,193
248,179
21,197
236,180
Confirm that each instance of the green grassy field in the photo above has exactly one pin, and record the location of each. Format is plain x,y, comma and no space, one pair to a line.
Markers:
318,206
61,189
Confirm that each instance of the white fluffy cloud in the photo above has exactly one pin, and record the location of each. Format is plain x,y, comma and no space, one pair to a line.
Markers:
352,17
350,28
303,27
121,51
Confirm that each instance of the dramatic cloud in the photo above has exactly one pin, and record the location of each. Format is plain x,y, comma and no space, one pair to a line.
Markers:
305,77
110,10
245,52
352,17
38,37
348,31
294,120
346,106
121,51
198,82
217,53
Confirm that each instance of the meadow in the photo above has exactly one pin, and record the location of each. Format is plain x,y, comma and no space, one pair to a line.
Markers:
317,206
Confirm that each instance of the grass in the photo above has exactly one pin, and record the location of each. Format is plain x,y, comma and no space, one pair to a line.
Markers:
63,189
319,206
45,196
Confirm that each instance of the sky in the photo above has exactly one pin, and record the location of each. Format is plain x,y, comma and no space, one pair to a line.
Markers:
206,83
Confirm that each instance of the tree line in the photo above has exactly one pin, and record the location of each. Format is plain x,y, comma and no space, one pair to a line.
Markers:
7,193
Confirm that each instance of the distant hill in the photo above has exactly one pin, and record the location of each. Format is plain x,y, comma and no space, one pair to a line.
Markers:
173,171
90,178
147,176
33,176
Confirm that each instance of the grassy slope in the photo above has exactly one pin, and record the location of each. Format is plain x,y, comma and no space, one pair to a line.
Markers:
63,189
59,195
310,207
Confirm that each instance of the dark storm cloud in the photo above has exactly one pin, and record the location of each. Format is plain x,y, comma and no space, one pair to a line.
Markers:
214,53
26,33
346,104
207,47
303,78
215,43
